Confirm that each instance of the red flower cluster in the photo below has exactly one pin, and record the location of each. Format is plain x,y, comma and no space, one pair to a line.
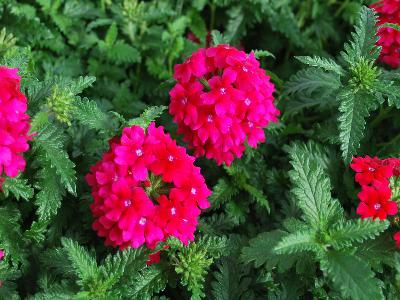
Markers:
373,175
146,189
14,124
221,100
389,12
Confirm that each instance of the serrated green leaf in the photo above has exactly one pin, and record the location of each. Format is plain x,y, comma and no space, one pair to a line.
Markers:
354,109
82,262
260,250
311,187
149,115
297,242
50,141
324,63
345,234
364,38
89,114
352,276
18,187
309,80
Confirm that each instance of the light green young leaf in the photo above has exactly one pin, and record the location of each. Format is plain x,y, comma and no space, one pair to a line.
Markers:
149,115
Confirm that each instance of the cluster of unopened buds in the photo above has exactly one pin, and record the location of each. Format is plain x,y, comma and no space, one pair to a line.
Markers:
146,189
14,124
222,100
379,180
389,38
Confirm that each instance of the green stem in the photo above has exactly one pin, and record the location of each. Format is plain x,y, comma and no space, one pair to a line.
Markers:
204,82
383,114
212,19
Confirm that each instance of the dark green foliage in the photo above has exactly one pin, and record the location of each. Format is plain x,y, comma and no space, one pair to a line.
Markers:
282,222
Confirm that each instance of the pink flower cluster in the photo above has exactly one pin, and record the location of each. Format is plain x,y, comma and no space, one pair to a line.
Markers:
145,189
373,175
221,100
389,12
14,124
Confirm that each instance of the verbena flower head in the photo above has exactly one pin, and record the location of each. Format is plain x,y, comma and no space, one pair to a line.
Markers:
389,12
373,174
371,170
376,203
222,99
146,189
2,254
14,123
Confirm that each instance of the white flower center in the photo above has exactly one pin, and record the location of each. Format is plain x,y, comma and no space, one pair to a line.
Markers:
222,91
184,100
193,191
115,178
377,206
209,118
173,211
250,124
142,221
127,203
170,158
185,220
139,152
371,169
245,69
247,101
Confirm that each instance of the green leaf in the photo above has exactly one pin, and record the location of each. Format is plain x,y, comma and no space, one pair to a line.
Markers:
77,86
82,262
218,38
354,109
223,192
49,199
262,53
149,115
309,80
10,234
50,141
390,25
121,52
260,250
345,234
311,187
351,275
111,35
18,187
229,282
257,195
89,114
297,242
363,39
324,63
147,282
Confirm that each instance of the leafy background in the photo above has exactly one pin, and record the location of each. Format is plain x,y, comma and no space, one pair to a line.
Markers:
282,223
